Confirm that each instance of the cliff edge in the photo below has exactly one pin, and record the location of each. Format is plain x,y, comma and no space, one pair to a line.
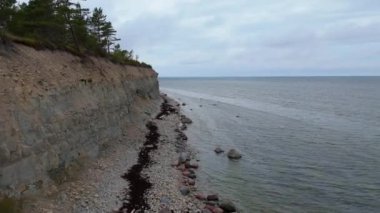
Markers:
57,108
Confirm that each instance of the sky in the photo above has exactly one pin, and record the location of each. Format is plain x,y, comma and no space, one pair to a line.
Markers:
250,37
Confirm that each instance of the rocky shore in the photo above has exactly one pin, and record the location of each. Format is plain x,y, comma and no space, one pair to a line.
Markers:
155,175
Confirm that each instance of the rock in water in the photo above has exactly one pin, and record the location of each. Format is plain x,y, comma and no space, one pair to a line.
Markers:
233,154
218,150
212,197
186,120
227,206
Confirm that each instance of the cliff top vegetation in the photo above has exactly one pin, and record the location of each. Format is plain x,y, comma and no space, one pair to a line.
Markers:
63,25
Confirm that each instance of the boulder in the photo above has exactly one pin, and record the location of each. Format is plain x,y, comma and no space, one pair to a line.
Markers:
234,154
213,197
192,164
227,206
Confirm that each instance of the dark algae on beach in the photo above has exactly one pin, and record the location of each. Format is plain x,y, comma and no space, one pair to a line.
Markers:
135,198
138,184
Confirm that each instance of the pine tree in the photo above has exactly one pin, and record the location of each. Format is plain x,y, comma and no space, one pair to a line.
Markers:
96,22
108,35
7,9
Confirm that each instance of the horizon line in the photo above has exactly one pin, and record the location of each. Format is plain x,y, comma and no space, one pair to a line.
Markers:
271,76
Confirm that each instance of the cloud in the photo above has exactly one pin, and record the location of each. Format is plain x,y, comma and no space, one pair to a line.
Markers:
250,37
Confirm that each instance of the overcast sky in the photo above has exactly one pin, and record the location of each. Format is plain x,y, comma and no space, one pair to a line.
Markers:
250,37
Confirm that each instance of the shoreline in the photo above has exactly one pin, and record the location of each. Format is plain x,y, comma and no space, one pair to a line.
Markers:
154,170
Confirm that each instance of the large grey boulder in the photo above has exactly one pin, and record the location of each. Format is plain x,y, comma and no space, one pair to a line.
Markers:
234,154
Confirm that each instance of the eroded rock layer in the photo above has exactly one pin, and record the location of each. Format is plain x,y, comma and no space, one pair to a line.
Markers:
56,108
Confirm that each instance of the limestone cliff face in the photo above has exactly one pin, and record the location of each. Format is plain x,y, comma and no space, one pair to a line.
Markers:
56,108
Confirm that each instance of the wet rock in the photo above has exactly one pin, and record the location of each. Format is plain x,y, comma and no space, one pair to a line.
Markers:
181,167
182,157
186,120
218,150
184,190
211,203
217,210
214,209
213,197
191,182
200,197
192,164
227,206
233,154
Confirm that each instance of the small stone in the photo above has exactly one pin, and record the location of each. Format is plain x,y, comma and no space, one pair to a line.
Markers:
191,182
218,150
181,167
186,173
217,210
192,164
175,163
165,200
182,157
200,197
165,210
233,154
186,120
192,176
213,197
184,190
211,203
206,211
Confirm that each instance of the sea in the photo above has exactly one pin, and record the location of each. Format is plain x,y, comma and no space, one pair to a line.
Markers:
309,144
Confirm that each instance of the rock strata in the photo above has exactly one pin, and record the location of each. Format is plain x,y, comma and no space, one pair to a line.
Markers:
57,109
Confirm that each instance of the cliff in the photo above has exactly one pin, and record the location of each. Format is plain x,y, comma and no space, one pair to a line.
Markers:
56,108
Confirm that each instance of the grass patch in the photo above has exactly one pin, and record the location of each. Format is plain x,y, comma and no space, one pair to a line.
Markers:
10,205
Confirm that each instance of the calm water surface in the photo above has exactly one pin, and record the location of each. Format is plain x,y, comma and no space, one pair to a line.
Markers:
308,144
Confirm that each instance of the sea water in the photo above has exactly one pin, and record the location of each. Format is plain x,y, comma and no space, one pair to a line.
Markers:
309,144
